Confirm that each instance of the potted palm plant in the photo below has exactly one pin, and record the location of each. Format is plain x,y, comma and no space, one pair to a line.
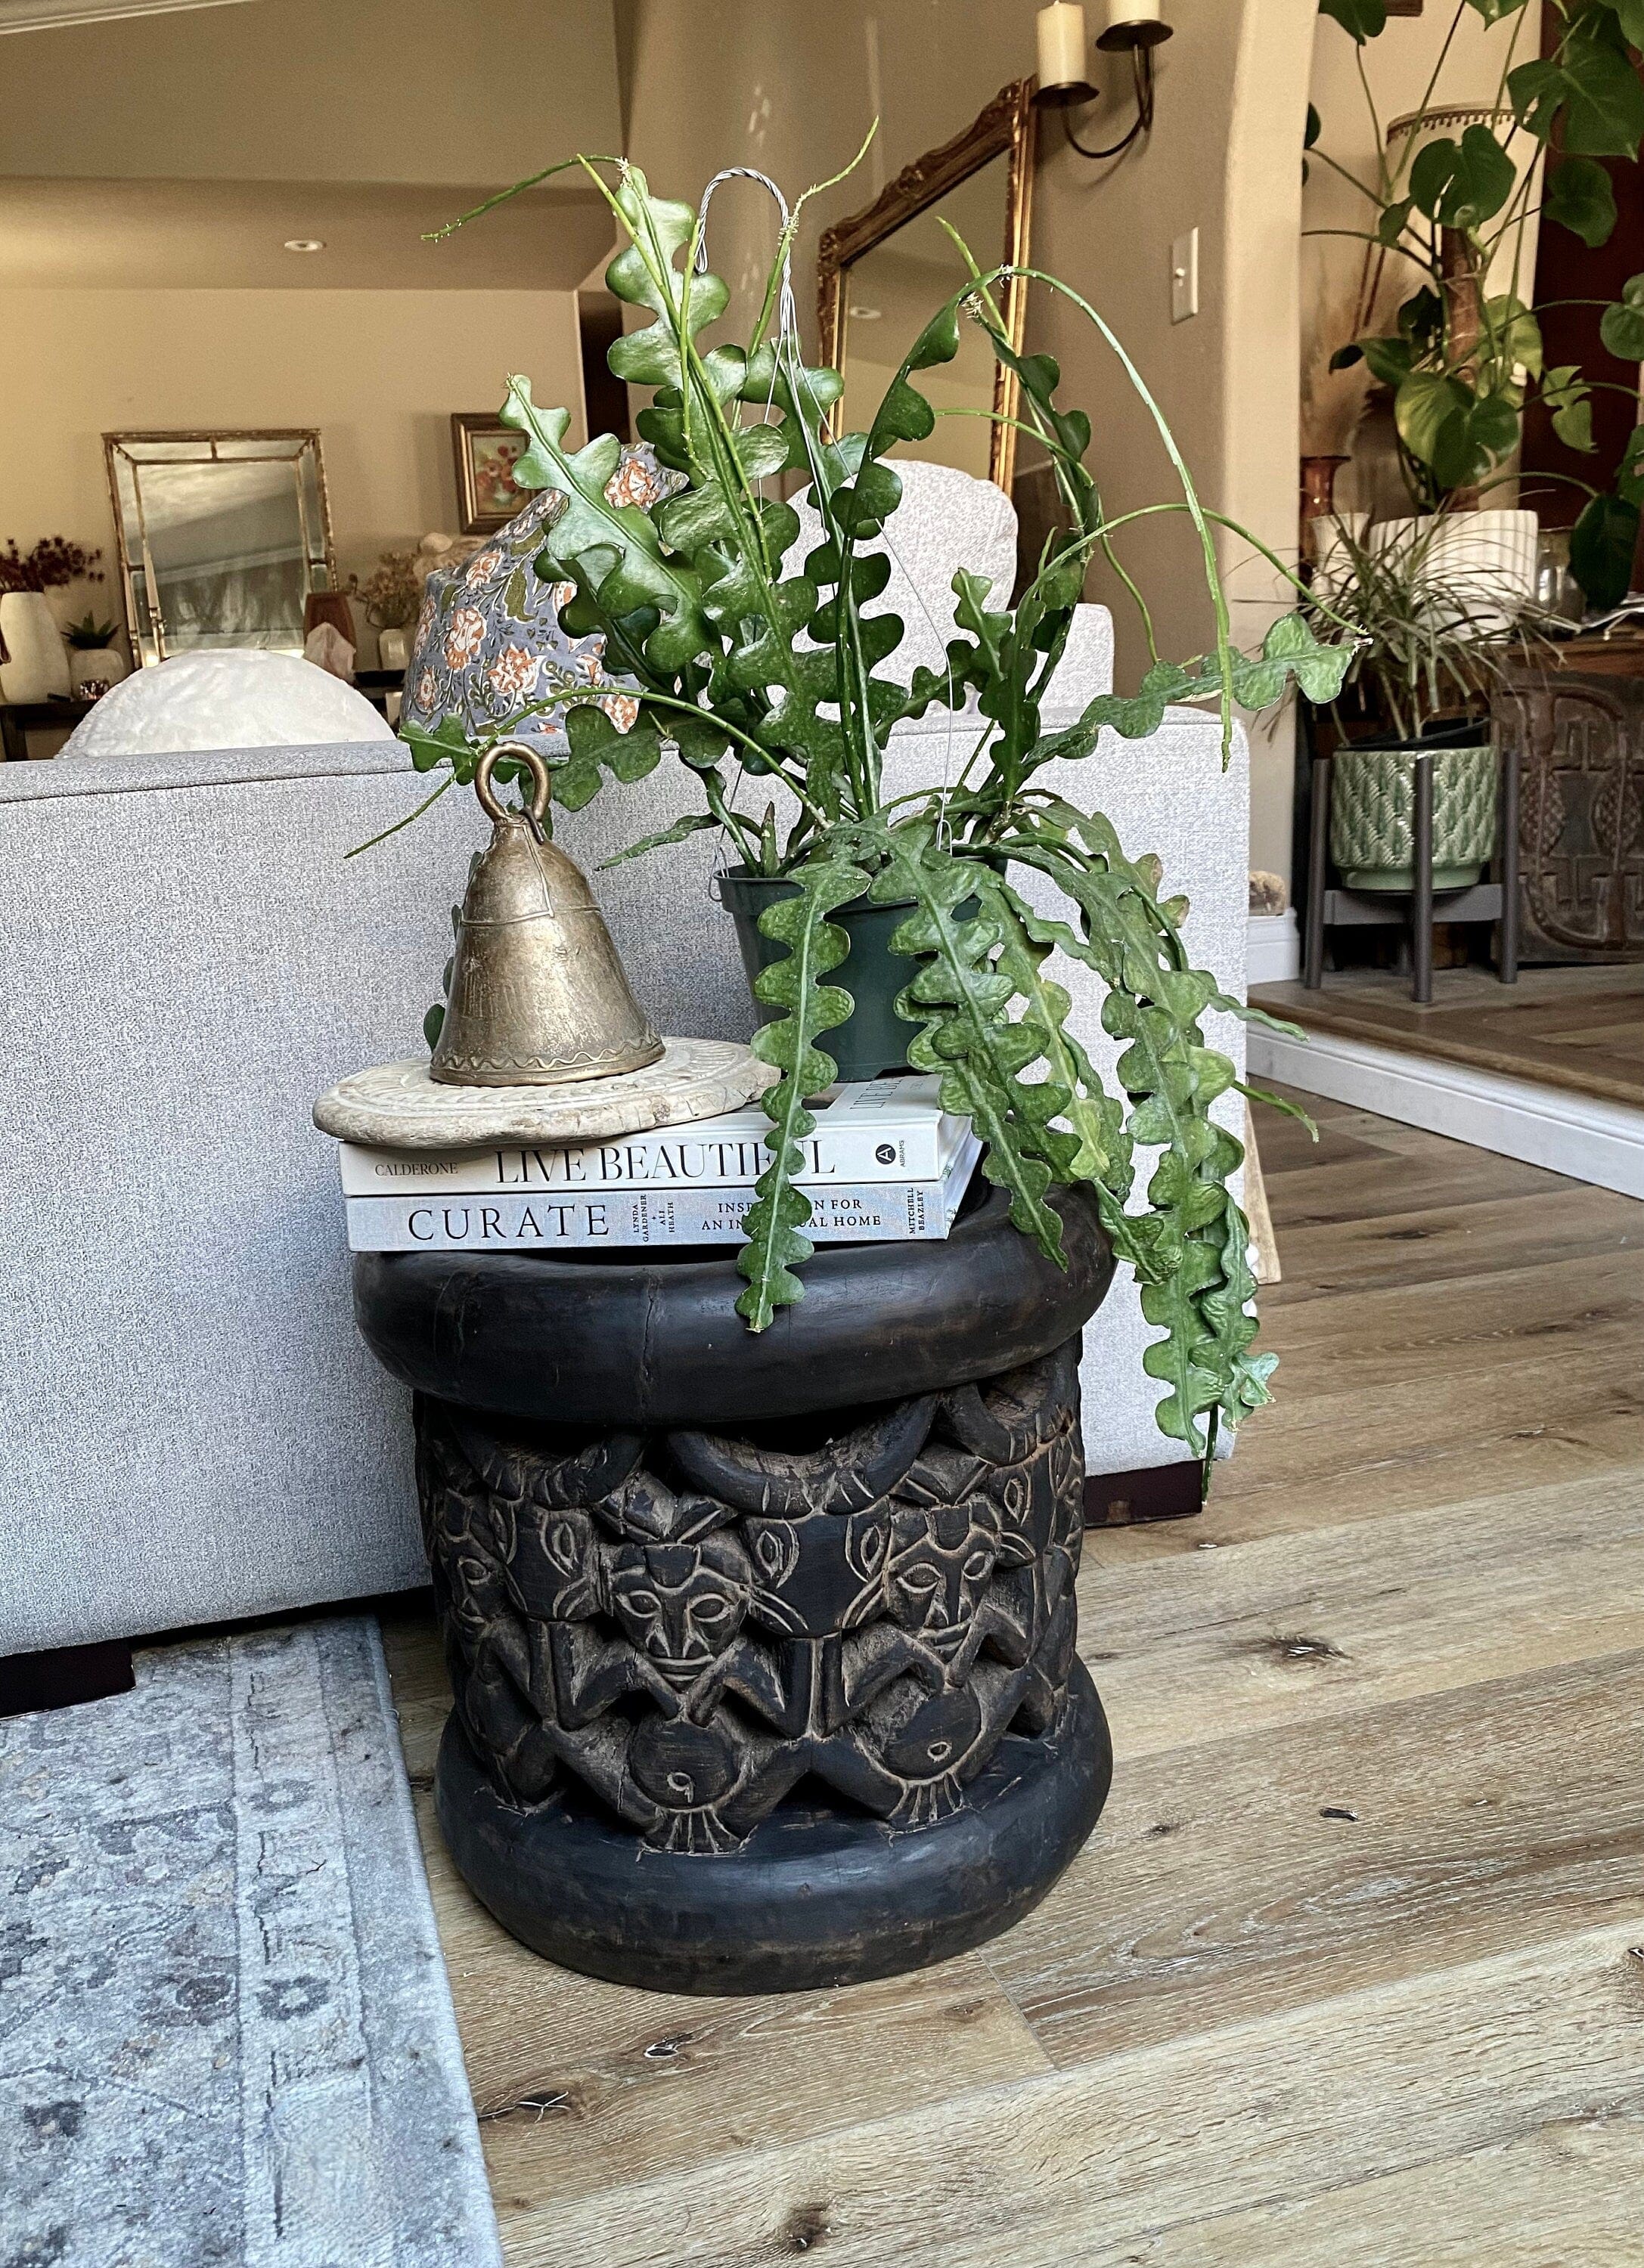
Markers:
766,671
94,659
1429,647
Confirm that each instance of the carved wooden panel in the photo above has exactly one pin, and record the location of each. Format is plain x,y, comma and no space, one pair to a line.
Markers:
1580,742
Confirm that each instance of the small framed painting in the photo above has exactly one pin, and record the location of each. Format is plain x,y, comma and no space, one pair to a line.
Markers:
487,452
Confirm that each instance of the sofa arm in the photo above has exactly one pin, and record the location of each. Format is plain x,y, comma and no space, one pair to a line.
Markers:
1167,794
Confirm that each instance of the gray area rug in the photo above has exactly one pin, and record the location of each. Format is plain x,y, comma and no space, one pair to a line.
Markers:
225,2029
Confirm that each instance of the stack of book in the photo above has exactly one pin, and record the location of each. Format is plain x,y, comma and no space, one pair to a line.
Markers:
886,1162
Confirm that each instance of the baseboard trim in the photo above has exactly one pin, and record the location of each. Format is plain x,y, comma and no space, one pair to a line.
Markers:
1148,1492
1272,949
1581,1135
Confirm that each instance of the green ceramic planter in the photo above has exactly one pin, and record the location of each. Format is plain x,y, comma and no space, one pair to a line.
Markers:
874,1038
1373,806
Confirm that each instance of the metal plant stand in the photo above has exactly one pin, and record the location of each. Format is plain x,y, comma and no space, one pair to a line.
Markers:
1330,906
763,1681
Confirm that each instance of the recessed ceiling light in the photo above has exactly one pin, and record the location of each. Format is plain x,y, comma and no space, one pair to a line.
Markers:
865,314
304,244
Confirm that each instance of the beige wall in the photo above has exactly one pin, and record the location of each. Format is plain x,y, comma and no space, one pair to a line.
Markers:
1225,158
315,91
378,372
785,85
793,88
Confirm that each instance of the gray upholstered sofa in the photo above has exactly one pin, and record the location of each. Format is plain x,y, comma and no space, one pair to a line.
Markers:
189,1427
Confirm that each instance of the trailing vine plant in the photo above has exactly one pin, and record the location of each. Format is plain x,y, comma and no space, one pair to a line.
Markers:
753,669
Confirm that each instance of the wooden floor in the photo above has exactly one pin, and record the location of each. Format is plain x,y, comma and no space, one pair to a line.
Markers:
1352,1968
1577,1028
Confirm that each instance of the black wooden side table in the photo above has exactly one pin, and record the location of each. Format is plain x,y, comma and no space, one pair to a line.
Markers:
18,719
764,1648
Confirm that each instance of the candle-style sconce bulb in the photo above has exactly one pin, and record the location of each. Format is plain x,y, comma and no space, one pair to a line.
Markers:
1133,26
1062,40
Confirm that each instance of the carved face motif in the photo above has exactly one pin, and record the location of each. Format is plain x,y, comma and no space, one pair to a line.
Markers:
681,1604
1024,1497
555,1572
939,1562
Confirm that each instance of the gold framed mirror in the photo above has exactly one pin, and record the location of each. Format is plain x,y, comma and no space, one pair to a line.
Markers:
223,537
882,273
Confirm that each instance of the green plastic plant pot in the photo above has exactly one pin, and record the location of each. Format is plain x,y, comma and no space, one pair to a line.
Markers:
1373,808
874,1038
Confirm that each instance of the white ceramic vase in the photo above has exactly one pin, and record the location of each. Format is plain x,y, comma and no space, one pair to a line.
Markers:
1332,574
1486,560
392,649
38,667
96,664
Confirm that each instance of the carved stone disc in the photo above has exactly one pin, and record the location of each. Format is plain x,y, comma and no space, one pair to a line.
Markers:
400,1107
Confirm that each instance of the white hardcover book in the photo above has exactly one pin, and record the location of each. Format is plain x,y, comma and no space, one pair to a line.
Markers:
876,1213
877,1130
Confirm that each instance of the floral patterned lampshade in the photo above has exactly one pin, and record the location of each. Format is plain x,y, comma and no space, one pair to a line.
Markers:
490,650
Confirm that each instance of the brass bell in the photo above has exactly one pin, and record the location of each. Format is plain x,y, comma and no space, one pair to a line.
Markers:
537,995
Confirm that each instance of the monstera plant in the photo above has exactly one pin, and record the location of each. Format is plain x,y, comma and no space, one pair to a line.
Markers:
755,668
1463,360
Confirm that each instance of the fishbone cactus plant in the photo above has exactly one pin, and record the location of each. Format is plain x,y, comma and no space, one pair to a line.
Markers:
752,671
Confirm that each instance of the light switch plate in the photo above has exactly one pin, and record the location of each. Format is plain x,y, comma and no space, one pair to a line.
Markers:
1184,277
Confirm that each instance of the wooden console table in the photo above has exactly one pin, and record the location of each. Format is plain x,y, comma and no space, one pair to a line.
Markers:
18,719
1575,719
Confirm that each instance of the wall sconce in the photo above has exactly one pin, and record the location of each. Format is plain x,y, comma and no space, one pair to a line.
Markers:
1138,25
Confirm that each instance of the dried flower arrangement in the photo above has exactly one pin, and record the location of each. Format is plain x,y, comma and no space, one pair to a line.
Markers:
392,594
53,563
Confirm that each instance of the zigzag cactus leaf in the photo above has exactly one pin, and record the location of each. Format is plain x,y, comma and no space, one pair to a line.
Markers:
631,571
776,1244
960,999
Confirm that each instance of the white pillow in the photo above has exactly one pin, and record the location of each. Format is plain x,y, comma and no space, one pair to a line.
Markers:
946,519
231,697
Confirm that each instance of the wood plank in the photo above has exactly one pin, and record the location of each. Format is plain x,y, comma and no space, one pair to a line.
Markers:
1513,1034
1617,1007
1460,991
1350,1455
1300,1628
1541,1390
421,1691
1567,2193
576,2082
1089,2166
1367,1184
1428,1243
1591,1308
1247,1877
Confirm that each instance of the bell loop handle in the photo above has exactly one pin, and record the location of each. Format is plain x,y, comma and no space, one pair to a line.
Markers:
535,763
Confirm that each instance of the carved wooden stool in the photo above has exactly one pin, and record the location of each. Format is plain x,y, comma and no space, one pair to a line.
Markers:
753,1703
